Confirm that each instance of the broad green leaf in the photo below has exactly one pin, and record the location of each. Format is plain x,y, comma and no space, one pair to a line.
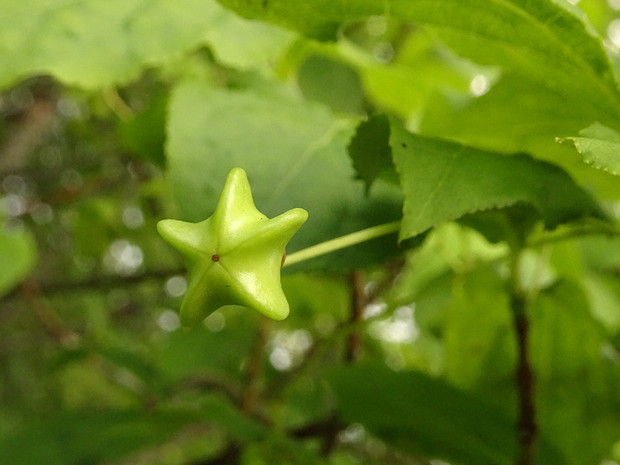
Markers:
89,436
427,416
17,257
443,181
294,153
600,147
94,44
577,384
546,40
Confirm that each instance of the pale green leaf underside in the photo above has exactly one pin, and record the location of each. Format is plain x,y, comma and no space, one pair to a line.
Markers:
599,147
443,181
92,43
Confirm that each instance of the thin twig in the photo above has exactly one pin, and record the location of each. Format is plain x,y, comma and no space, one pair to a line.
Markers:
117,104
525,384
49,319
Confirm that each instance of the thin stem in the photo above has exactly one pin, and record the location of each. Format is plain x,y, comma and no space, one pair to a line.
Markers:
358,302
524,372
117,104
342,242
588,229
251,392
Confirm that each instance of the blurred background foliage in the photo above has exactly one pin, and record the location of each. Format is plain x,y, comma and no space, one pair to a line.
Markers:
114,115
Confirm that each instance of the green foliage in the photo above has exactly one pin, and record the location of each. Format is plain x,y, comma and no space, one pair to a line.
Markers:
68,438
485,329
578,387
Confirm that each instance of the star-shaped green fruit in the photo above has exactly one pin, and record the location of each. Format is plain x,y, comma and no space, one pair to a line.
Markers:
235,255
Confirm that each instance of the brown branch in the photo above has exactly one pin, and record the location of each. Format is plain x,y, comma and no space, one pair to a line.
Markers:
524,378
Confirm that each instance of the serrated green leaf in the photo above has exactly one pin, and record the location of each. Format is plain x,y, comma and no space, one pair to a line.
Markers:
294,153
17,257
443,181
600,147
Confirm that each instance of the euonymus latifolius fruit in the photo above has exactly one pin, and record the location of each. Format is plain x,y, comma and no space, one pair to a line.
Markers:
235,255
